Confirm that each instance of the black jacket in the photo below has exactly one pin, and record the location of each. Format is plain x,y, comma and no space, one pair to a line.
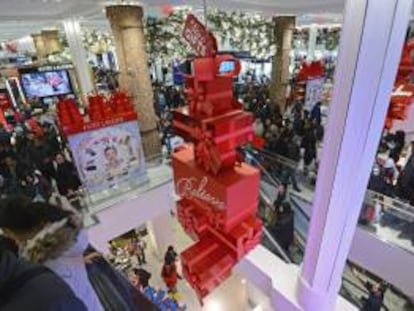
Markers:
66,178
40,292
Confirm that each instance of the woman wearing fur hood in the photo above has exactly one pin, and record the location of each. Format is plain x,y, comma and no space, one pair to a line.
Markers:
51,236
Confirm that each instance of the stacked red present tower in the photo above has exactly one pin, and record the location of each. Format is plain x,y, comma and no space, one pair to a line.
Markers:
403,93
218,193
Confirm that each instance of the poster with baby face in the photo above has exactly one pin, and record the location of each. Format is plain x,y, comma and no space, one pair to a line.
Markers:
108,156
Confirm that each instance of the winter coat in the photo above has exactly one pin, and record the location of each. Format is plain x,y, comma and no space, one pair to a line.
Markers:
66,178
60,247
43,291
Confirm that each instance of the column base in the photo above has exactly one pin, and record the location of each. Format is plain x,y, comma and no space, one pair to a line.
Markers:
312,299
151,144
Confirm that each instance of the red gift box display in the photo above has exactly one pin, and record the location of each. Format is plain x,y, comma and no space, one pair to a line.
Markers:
102,111
403,92
309,71
218,193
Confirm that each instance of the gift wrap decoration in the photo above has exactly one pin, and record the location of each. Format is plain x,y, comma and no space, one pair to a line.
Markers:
218,193
403,92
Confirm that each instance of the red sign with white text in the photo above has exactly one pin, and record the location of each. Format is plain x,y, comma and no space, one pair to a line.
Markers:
201,40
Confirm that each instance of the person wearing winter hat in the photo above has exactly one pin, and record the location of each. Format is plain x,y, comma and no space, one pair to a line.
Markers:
27,286
52,236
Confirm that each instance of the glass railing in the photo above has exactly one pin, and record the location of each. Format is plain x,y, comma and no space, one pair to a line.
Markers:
389,218
353,291
91,204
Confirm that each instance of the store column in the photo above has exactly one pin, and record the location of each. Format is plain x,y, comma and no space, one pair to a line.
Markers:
283,31
39,45
120,58
74,36
127,26
369,55
313,35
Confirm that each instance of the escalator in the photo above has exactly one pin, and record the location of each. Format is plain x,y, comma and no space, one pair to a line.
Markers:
353,288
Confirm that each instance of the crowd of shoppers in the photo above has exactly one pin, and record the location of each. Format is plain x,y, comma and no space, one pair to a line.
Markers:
294,134
33,159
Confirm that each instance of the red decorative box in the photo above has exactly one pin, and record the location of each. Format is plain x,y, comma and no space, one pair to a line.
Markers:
215,138
234,193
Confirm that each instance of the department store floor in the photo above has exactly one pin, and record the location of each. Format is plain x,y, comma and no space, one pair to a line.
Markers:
230,296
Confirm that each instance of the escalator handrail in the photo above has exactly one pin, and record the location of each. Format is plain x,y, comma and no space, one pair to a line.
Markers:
278,158
273,181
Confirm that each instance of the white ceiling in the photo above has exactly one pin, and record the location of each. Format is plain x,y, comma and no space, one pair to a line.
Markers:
22,17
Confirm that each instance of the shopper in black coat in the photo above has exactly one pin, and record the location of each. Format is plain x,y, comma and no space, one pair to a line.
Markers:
375,299
26,286
309,144
284,229
67,179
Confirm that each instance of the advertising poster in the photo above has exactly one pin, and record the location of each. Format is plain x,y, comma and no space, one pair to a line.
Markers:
109,156
314,92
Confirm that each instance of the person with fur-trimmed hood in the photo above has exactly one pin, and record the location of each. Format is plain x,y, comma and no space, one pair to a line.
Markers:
27,286
51,236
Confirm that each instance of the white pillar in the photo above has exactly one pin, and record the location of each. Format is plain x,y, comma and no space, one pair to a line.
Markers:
313,34
161,233
370,50
74,36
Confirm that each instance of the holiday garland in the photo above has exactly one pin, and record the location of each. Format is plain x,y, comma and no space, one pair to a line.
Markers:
235,30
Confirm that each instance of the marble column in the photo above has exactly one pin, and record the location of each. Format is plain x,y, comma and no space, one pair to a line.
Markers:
51,41
283,31
127,27
39,45
120,58
369,55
